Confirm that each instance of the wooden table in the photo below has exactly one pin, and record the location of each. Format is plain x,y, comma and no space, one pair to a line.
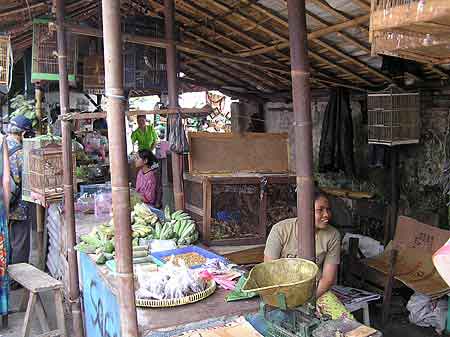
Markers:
102,311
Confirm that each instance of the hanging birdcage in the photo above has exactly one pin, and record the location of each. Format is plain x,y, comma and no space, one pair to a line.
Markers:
45,56
411,29
394,117
42,177
5,61
94,75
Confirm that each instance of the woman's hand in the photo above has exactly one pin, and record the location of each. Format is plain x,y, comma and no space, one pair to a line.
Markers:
328,279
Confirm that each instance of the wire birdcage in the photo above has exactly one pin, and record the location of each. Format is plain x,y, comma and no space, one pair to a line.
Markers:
393,117
5,58
45,60
94,74
42,177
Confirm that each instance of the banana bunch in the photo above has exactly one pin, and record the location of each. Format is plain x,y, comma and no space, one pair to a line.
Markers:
164,232
141,231
180,226
142,215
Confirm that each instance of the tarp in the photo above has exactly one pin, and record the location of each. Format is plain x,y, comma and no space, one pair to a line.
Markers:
416,243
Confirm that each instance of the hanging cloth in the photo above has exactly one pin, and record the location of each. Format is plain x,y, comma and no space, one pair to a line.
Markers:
336,143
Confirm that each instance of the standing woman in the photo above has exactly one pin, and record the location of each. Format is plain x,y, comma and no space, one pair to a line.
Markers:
4,238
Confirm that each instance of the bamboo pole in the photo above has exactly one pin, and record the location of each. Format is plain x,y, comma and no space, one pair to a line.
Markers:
119,164
40,211
172,87
69,211
301,97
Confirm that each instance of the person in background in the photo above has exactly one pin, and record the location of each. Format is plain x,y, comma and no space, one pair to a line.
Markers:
5,196
282,242
147,178
145,135
20,220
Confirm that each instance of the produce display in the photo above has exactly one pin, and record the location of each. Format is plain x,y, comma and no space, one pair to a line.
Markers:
145,225
169,282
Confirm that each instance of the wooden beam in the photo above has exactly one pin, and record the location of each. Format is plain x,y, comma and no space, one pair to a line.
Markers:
354,61
341,68
23,9
162,43
315,34
98,115
331,48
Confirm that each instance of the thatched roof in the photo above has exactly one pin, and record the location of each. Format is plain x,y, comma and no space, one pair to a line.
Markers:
339,47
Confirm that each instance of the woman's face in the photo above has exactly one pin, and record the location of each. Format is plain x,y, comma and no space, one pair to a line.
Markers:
139,162
141,121
322,212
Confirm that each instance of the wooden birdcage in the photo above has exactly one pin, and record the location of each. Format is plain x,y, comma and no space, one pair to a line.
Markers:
394,117
411,29
42,178
45,47
94,75
5,59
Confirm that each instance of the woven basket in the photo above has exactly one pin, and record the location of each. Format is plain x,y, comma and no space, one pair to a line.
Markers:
174,302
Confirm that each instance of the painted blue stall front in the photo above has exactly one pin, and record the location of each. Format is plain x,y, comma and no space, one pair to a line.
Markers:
101,310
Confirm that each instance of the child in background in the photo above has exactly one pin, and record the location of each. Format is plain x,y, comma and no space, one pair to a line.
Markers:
147,177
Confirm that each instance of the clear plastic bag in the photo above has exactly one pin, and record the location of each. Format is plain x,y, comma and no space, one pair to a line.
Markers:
177,137
427,312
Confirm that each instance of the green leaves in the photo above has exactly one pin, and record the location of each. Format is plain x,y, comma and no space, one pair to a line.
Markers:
24,107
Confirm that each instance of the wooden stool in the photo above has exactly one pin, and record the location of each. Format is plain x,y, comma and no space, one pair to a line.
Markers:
36,282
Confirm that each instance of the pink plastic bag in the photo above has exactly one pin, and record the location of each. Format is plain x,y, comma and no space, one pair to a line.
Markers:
441,260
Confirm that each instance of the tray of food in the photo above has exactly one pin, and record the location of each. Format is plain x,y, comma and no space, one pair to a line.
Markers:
172,285
192,256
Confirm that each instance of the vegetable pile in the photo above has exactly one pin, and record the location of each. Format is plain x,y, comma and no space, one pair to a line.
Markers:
145,226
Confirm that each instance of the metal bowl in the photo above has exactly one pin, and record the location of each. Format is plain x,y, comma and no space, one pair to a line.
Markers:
283,283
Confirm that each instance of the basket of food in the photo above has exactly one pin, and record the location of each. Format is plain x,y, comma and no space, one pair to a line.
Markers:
172,285
283,283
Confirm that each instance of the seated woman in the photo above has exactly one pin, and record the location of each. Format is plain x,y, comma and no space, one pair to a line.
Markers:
147,177
283,242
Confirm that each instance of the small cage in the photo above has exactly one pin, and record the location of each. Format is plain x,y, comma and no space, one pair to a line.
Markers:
42,178
94,75
45,47
5,58
394,117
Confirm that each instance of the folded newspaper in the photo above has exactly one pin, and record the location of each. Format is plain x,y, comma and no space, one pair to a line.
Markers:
350,296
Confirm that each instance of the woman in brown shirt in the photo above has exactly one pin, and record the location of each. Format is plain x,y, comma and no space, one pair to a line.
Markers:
283,242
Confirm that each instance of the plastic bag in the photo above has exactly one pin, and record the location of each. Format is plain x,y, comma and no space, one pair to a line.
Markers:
368,246
441,260
177,138
427,312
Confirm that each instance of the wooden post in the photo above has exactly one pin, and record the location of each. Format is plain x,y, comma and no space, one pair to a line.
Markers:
69,209
389,284
172,87
40,211
301,97
116,100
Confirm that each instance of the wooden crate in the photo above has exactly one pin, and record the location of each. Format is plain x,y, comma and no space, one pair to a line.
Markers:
393,117
227,180
411,29
208,195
